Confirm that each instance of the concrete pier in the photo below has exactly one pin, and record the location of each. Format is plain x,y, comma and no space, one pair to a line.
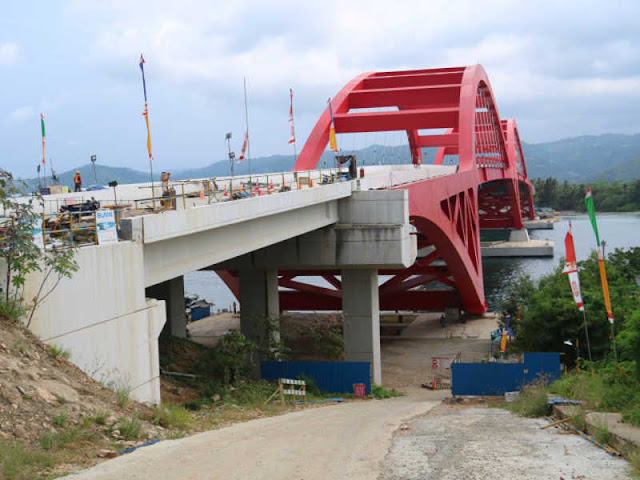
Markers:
360,307
259,310
540,224
172,292
532,248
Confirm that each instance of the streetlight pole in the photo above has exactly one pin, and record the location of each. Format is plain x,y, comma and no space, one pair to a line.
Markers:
93,162
232,155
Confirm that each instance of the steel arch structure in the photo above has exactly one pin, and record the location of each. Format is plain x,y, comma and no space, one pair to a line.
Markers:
490,188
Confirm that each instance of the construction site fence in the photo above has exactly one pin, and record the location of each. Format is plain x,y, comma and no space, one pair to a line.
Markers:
184,194
69,229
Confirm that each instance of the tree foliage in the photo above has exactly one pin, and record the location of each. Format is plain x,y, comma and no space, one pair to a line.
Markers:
23,255
612,196
548,315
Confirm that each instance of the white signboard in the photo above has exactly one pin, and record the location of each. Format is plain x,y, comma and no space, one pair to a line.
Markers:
36,232
106,225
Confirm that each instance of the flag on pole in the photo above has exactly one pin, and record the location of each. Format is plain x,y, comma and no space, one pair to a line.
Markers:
588,200
145,114
333,144
571,269
244,146
505,333
43,136
292,131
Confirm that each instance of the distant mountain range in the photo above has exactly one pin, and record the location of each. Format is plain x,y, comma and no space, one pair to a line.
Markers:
577,160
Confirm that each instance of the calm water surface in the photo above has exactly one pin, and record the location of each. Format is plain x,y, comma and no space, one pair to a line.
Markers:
619,231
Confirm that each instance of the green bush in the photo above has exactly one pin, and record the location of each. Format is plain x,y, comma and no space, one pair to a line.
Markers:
58,351
379,392
532,401
172,416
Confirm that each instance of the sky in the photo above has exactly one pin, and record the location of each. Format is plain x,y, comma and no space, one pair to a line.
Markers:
561,69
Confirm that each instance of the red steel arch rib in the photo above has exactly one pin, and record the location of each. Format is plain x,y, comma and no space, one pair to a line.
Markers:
489,189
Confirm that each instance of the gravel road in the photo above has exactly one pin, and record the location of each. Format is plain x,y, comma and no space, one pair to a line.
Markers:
481,444
345,441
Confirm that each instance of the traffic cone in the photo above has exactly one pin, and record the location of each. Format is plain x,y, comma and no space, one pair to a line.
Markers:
310,182
435,383
226,194
202,192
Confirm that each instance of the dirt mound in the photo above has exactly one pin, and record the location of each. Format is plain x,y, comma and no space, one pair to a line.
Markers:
47,403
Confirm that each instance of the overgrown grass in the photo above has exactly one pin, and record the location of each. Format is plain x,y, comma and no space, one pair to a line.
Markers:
58,351
99,418
130,428
20,462
601,432
172,416
58,440
60,420
11,310
379,392
532,401
606,390
633,456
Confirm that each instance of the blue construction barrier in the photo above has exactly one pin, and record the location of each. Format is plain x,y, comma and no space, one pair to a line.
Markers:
337,377
498,378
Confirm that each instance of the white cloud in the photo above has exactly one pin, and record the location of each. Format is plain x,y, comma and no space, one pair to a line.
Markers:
21,114
8,53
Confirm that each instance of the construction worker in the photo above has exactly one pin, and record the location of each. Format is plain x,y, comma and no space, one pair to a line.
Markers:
77,181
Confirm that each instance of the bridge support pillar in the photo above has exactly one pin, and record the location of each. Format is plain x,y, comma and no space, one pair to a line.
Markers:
172,292
259,309
360,307
519,235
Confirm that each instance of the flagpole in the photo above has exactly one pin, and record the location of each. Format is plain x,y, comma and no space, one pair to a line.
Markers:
586,331
246,121
293,129
606,285
146,115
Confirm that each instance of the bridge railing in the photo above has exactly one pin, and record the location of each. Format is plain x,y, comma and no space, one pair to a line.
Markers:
193,193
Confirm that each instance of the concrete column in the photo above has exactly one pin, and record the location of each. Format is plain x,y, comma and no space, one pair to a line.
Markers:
259,309
519,235
361,310
172,292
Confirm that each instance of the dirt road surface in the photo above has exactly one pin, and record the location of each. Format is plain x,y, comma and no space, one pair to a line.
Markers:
344,441
486,443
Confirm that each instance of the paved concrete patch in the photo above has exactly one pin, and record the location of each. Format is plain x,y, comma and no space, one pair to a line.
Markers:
480,443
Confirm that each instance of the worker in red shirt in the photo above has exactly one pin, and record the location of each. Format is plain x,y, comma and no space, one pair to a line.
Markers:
77,181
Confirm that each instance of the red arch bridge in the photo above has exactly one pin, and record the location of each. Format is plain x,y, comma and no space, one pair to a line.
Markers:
454,110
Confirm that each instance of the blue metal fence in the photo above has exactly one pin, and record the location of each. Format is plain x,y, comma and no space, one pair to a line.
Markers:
498,378
337,377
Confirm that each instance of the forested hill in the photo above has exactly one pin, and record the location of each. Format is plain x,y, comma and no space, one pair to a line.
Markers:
587,158
578,159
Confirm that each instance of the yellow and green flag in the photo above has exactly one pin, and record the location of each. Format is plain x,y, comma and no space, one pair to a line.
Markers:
588,199
333,144
43,136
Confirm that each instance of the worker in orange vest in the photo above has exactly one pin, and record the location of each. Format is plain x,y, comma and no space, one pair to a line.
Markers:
77,181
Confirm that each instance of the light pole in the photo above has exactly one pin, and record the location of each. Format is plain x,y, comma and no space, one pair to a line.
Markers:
232,155
93,161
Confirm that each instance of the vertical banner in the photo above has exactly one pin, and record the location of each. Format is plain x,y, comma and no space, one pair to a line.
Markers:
44,136
106,226
292,130
571,270
333,143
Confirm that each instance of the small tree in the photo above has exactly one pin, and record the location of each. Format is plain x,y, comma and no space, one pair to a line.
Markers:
22,252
